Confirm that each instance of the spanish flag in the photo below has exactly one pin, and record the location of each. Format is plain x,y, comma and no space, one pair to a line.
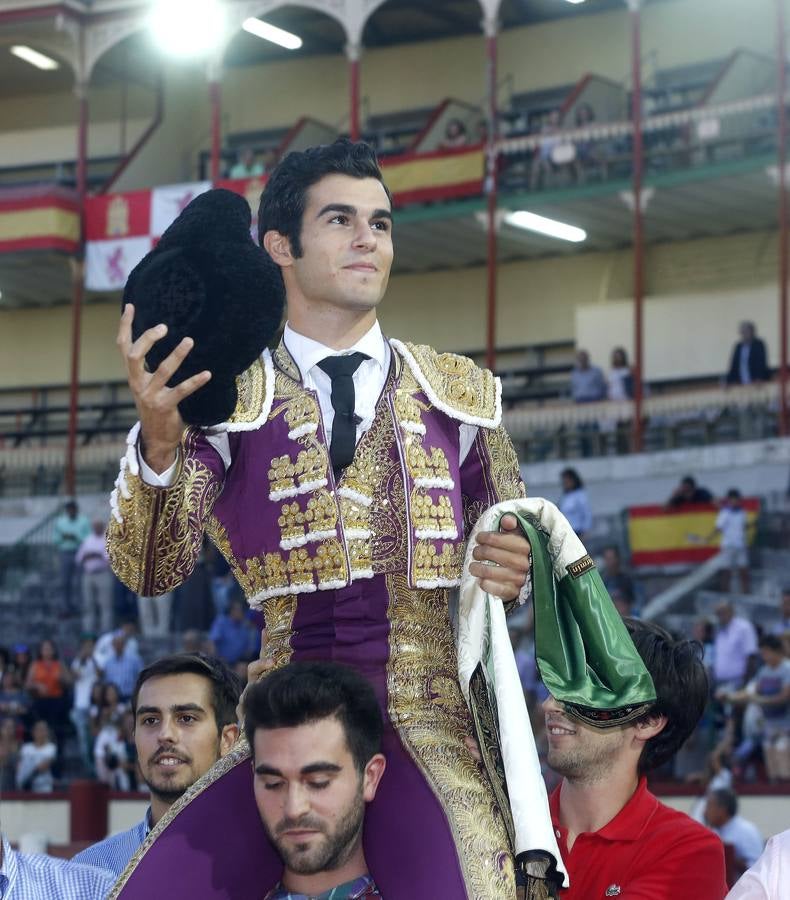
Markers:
660,536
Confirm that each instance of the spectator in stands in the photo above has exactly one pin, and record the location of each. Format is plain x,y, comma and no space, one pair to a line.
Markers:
14,700
454,135
574,503
731,525
20,661
314,730
122,668
734,649
97,580
154,614
130,749
5,661
246,166
587,382
85,674
616,838
768,878
542,165
37,877
782,628
721,816
192,642
770,691
36,759
615,580
233,635
620,378
70,530
586,156
185,720
48,680
688,491
109,751
9,754
104,645
749,358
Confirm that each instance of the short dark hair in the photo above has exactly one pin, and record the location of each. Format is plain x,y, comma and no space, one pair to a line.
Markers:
574,477
733,494
284,198
772,642
689,480
727,799
682,688
305,692
225,684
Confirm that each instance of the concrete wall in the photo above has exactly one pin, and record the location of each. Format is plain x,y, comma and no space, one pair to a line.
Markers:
51,818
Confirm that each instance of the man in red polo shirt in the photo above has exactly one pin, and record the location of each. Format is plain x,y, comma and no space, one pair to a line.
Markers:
614,835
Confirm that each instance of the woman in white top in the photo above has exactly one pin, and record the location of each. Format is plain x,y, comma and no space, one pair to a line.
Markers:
619,380
574,503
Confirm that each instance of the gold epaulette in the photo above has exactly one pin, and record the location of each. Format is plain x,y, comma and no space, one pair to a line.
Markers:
454,384
255,387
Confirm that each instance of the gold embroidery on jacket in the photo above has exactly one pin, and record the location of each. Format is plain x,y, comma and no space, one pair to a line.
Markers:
427,709
457,381
251,388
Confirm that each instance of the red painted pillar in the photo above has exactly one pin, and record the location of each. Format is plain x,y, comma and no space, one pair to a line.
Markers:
491,191
353,91
78,287
215,97
639,246
88,811
781,85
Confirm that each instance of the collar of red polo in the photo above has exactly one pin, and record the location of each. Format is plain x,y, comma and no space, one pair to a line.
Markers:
627,825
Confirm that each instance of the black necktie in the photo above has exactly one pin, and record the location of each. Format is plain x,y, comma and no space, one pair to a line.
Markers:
344,430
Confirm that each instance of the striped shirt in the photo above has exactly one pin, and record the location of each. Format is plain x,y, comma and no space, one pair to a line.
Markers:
122,671
351,890
37,877
114,852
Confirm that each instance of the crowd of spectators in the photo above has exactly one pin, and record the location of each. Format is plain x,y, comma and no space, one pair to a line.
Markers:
68,715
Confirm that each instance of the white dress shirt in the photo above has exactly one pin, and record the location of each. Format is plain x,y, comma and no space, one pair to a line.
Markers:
369,380
769,878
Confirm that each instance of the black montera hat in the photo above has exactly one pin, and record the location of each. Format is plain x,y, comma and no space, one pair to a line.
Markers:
208,280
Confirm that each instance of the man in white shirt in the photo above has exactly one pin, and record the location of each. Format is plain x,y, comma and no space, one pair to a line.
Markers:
734,649
34,769
721,815
769,877
96,579
85,673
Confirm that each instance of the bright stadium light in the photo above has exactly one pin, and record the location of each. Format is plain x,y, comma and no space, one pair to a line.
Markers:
550,227
187,27
272,33
34,57
575,1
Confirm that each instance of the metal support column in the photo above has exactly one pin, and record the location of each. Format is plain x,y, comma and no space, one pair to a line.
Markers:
639,246
78,286
353,52
781,91
491,190
215,97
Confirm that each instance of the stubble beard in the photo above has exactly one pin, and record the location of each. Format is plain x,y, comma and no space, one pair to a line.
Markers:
330,853
584,764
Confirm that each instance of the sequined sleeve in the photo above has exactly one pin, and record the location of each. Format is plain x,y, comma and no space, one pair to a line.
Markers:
489,474
155,534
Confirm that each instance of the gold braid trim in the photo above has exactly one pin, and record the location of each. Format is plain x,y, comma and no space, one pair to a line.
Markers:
428,711
455,384
238,755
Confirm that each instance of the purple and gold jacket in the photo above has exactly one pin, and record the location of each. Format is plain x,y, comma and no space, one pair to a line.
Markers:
355,570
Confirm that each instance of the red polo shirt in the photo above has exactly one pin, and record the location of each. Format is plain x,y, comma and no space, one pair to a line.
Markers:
646,852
